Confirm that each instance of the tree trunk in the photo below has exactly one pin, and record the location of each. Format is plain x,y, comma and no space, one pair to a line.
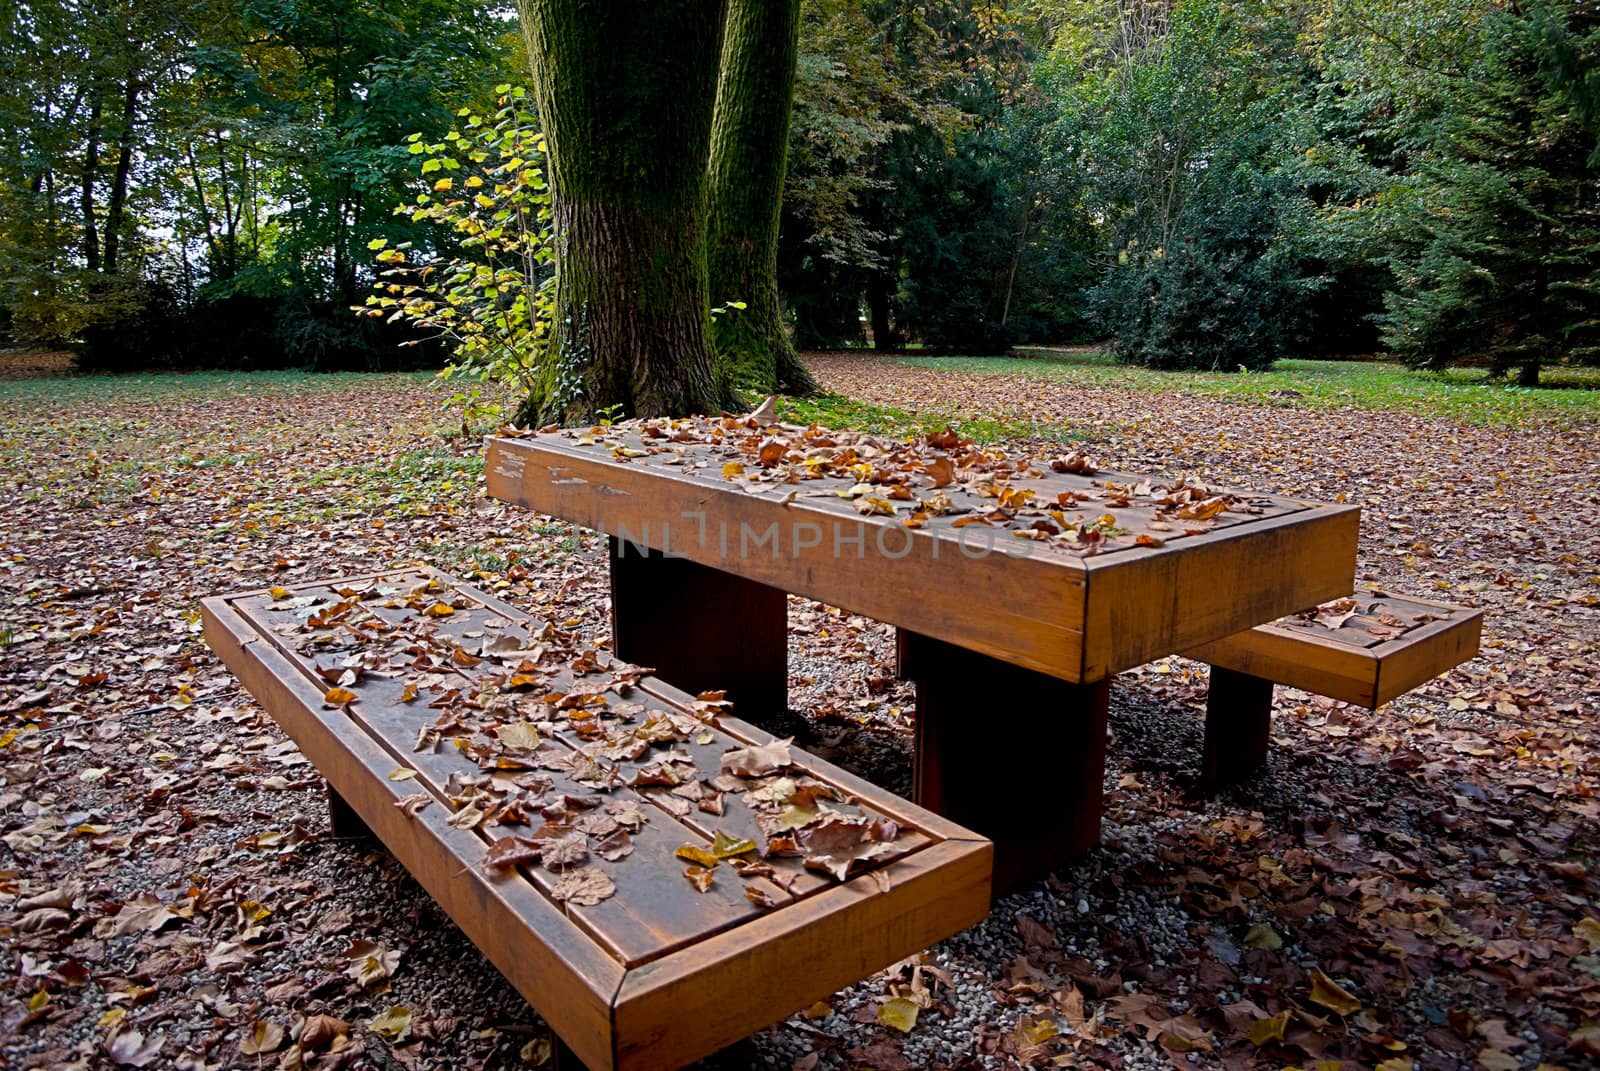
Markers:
116,207
749,151
91,167
878,309
626,91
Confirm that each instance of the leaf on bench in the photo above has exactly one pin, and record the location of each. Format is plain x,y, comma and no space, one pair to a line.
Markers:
584,888
758,760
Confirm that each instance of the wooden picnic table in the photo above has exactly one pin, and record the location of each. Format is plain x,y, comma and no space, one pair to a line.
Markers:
1020,586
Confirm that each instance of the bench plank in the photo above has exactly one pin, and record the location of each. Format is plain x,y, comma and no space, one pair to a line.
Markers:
572,961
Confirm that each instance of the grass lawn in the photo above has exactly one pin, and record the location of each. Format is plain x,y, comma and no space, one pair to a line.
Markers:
1573,394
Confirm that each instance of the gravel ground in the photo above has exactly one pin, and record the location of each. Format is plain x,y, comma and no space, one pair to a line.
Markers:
1458,824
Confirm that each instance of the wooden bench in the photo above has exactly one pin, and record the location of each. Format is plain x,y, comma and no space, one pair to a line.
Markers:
1019,585
1365,650
656,877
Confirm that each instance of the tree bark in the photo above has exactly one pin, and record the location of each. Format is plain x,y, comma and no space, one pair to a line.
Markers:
626,91
91,167
878,291
116,207
749,153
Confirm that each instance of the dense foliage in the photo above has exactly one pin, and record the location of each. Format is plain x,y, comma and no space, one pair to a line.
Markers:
195,181
1202,183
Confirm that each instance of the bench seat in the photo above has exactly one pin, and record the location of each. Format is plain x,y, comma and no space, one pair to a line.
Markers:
449,723
1365,650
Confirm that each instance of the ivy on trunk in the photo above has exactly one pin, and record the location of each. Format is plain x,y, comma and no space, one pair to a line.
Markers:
749,151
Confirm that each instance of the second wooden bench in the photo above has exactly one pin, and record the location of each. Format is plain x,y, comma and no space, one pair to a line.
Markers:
1366,650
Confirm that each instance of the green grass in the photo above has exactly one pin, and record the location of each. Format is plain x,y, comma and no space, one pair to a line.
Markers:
1572,394
72,392
410,482
838,411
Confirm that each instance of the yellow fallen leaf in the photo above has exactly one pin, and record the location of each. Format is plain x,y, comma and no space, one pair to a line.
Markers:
820,1010
1328,993
392,1023
518,734
400,773
439,609
726,847
1030,1034
1395,1063
537,1052
732,469
693,853
1589,930
1264,1031
279,594
338,697
899,1013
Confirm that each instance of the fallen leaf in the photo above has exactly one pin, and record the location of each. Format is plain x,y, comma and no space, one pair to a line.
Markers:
393,1024
144,913
1329,994
899,1013
264,1036
1263,936
1266,1031
757,760
584,887
700,877
319,1032
130,1048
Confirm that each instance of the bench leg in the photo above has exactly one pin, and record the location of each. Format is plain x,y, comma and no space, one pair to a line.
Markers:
346,823
1238,721
1016,755
701,629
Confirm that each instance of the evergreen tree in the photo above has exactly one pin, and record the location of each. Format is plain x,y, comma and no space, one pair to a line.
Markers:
1505,260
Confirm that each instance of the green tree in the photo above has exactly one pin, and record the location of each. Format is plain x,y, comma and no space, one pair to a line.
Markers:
1185,123
1498,250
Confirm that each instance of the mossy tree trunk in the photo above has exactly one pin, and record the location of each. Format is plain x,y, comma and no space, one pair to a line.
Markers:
749,152
626,91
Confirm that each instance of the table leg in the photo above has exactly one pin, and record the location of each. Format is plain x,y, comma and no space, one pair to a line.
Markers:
700,628
1238,721
1016,755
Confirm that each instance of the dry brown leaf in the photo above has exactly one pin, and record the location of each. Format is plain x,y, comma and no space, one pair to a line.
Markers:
585,887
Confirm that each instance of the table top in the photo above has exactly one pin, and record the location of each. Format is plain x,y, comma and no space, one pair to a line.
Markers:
1045,562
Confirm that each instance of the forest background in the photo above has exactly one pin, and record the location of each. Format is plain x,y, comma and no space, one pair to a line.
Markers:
1200,183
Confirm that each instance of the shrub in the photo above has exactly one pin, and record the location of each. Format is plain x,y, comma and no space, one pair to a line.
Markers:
490,299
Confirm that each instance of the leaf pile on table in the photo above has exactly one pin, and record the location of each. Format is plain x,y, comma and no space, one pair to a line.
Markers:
937,479
538,712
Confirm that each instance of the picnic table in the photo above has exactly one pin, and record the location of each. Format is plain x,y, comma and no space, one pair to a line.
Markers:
1019,585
